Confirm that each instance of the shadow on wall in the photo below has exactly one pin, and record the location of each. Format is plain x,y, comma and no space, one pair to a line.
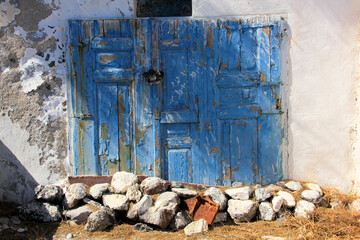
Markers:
16,183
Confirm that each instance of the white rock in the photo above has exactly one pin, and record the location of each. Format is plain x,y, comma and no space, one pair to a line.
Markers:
221,217
274,187
115,201
133,193
304,209
218,197
97,190
175,184
92,203
180,221
311,196
337,204
243,193
140,208
49,193
164,210
237,184
69,236
266,211
196,227
121,181
262,194
21,230
289,200
100,220
79,215
154,185
355,205
74,194
293,186
242,210
184,192
277,203
314,187
39,211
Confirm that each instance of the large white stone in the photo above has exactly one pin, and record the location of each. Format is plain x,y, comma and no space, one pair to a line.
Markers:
221,217
311,196
304,209
242,210
97,190
217,196
100,220
294,186
180,220
121,181
277,203
289,200
154,185
164,210
243,193
115,201
314,187
262,194
184,192
39,211
355,205
266,211
49,193
140,208
196,227
78,215
74,194
133,193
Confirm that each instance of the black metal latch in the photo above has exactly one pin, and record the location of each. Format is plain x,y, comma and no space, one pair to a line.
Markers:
154,76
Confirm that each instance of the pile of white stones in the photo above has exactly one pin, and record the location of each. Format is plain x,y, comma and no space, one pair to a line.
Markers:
155,202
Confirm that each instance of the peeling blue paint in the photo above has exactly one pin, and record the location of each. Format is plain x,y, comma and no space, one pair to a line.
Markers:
215,118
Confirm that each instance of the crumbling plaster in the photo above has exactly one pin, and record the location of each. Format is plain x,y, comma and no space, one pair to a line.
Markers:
322,67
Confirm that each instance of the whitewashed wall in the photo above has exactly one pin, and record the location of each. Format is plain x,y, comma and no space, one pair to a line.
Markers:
322,87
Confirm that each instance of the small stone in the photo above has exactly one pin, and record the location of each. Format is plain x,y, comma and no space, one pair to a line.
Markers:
92,202
221,217
218,197
281,219
5,226
242,210
115,201
49,193
262,194
72,223
40,211
274,187
281,184
21,230
293,186
266,211
184,192
97,190
337,204
196,227
355,205
311,196
100,220
140,208
314,187
69,236
289,200
133,193
15,220
243,193
142,227
180,221
74,194
175,184
304,209
4,220
79,215
121,181
236,184
277,203
154,185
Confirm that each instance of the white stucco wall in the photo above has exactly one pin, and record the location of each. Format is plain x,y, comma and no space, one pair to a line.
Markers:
321,89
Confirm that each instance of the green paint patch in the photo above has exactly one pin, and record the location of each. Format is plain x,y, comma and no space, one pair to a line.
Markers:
105,132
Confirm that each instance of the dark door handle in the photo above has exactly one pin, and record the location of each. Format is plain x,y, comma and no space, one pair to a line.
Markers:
154,76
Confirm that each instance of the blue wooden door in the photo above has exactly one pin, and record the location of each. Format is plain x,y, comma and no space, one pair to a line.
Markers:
215,116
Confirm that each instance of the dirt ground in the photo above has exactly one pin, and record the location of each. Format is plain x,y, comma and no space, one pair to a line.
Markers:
326,223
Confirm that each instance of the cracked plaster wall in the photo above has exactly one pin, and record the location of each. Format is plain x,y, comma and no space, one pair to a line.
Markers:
33,102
